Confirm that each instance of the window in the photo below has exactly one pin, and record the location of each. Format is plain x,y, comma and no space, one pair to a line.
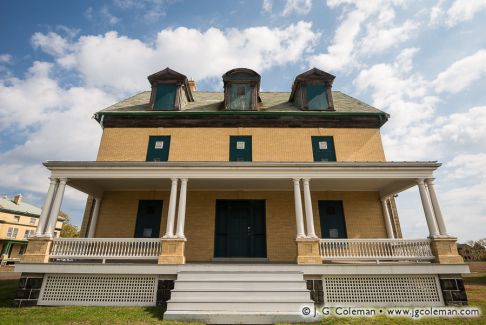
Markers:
12,232
240,97
32,221
323,148
22,249
240,148
158,148
165,97
17,218
241,89
317,97
29,233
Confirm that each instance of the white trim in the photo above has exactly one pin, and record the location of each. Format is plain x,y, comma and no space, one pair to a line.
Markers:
345,268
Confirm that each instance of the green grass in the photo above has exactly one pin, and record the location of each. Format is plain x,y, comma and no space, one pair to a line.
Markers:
475,287
71,314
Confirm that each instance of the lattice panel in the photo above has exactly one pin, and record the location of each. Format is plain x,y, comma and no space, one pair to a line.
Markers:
368,290
98,290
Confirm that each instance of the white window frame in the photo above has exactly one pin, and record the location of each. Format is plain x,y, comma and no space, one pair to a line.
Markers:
12,232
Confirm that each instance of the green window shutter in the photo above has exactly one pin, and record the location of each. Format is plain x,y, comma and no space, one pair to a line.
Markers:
165,97
323,149
158,148
240,97
240,148
317,97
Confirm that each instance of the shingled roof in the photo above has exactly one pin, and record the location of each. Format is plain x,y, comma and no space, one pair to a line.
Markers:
271,102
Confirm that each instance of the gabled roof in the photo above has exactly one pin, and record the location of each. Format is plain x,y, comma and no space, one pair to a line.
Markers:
7,205
167,73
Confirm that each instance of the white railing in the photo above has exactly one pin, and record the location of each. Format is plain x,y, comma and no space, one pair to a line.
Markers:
376,249
105,248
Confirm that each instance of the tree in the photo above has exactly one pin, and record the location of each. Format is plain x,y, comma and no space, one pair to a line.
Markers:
68,229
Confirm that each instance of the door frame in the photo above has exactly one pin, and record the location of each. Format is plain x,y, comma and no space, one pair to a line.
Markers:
242,259
340,202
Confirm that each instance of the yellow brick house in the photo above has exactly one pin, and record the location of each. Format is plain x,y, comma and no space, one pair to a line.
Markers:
18,222
218,205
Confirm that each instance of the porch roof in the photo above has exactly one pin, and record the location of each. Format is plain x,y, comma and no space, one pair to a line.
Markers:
95,177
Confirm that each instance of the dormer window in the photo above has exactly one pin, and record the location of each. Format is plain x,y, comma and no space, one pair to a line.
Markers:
241,89
312,91
170,90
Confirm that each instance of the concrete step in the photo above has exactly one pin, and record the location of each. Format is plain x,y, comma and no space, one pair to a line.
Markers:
255,307
240,296
229,317
240,285
239,276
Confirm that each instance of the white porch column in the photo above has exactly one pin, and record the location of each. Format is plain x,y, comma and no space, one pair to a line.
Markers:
181,212
435,205
298,209
46,208
94,217
429,215
386,215
56,206
309,216
169,232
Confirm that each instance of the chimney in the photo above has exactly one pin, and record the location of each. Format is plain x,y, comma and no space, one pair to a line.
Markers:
17,199
192,85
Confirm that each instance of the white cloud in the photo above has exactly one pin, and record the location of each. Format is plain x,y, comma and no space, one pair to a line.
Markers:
51,43
301,7
5,58
462,73
463,10
121,63
55,121
367,27
298,7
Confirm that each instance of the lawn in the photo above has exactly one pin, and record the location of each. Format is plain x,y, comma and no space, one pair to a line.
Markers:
475,286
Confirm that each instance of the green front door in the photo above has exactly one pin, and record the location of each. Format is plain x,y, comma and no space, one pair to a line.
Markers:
240,228
148,219
332,219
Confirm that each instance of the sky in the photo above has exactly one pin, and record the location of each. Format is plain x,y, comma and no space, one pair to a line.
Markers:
423,62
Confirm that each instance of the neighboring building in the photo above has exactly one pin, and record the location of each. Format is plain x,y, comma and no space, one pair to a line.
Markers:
242,203
473,252
18,221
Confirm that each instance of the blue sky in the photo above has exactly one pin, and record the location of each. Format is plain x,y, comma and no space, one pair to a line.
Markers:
422,62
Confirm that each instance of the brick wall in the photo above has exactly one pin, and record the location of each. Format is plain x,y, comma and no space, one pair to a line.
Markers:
212,144
362,210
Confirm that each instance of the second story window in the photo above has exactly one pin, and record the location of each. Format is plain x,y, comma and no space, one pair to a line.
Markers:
323,148
158,148
240,148
32,221
29,233
17,218
12,232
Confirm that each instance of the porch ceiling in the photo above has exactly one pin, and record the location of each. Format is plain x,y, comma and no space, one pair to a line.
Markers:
386,177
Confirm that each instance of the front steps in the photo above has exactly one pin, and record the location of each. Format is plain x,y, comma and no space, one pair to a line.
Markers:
225,297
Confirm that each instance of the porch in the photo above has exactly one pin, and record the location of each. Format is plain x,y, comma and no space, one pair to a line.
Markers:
294,229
